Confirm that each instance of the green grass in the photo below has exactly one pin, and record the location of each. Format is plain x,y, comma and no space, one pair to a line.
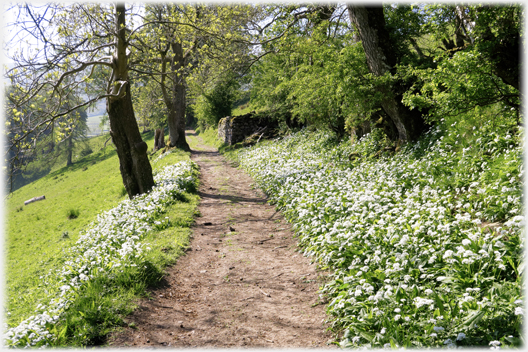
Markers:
210,137
244,109
241,110
39,233
105,302
34,241
43,165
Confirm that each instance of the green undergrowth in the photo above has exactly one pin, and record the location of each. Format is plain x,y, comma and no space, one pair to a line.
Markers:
103,304
38,235
241,110
210,137
425,244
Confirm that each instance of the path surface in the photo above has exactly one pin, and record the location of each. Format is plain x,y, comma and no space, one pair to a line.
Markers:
242,284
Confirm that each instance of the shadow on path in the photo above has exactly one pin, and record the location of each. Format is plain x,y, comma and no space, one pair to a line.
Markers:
234,199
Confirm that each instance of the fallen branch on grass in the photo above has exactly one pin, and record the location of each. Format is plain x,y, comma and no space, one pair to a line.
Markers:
34,200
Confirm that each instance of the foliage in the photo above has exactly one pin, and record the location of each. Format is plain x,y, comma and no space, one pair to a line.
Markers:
458,84
425,246
216,101
72,213
450,59
221,62
149,108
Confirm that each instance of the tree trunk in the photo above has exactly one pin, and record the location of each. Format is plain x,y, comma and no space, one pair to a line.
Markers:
131,149
381,59
156,139
176,118
69,150
161,139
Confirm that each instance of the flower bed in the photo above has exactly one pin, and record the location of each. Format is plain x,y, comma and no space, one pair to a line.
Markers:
110,243
425,246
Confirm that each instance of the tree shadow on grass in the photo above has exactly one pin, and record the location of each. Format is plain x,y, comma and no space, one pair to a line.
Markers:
87,161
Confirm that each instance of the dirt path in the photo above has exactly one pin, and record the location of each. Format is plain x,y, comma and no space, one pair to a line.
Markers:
242,284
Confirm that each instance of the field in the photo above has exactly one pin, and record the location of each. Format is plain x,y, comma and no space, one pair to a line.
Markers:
40,237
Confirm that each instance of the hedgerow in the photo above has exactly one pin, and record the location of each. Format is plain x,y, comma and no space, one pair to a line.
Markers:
425,246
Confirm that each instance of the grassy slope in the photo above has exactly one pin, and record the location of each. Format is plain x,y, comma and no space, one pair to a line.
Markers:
40,168
34,233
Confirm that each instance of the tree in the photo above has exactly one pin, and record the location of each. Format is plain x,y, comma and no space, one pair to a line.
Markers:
77,130
174,56
315,72
66,60
478,68
216,101
179,39
221,60
381,59
163,61
149,107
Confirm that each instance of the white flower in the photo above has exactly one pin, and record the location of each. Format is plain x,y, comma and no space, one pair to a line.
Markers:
494,343
461,336
419,302
434,334
466,242
397,310
438,328
519,311
448,254
383,331
116,231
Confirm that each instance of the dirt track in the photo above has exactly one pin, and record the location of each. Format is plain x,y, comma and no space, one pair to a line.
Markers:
242,284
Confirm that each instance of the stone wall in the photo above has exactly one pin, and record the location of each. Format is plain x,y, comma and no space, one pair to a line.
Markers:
234,129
